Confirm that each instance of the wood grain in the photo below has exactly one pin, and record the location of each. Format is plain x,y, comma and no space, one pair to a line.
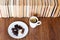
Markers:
48,30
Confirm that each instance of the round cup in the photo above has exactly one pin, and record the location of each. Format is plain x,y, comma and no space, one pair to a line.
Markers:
33,25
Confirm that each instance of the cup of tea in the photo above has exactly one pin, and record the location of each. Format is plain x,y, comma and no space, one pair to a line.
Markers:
34,22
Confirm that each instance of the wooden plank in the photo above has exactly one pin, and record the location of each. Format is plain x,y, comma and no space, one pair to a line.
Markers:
30,2
2,2
4,11
37,6
20,2
52,5
48,30
58,8
21,11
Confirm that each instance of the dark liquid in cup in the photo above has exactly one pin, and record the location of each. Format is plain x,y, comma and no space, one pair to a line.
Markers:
33,20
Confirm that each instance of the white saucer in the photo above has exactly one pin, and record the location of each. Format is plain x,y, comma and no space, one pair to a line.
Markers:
22,24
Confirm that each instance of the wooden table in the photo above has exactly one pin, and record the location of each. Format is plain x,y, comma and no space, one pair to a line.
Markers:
48,30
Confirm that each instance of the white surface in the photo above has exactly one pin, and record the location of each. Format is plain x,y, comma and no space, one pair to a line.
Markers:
22,24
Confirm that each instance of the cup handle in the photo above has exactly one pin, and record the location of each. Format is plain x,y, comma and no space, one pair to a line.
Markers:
39,22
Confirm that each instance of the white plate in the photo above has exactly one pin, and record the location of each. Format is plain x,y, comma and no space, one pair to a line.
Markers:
22,24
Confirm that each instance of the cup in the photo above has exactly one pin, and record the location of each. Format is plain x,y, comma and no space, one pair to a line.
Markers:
34,22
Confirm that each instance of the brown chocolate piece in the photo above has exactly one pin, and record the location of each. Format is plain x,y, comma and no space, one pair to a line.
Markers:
16,29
